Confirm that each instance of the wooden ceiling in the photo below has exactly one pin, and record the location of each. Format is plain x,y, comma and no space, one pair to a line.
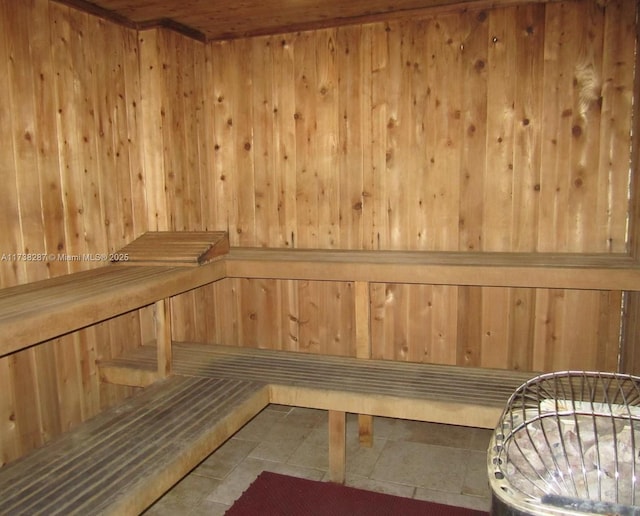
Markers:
227,19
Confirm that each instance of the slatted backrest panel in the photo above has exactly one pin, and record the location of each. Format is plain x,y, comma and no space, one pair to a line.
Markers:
185,248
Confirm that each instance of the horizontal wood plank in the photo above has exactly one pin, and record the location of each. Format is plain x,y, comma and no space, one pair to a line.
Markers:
534,270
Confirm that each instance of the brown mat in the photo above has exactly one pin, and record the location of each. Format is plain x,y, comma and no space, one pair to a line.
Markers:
272,494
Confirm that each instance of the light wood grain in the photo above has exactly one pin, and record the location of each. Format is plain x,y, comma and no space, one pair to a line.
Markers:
98,116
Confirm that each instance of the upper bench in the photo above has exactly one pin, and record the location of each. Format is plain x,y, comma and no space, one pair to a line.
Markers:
159,265
153,267
487,269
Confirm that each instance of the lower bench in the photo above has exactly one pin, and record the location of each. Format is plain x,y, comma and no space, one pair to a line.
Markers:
424,392
121,461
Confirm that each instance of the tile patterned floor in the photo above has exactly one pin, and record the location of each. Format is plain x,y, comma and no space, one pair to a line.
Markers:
441,463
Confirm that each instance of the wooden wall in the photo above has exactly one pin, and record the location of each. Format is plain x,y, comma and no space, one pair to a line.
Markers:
497,130
73,182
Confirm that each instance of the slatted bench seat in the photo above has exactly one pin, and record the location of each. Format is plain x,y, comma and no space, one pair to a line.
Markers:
439,393
153,268
488,269
122,460
435,393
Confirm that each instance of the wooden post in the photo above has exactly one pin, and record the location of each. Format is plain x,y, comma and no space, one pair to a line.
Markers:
630,355
363,350
163,336
337,446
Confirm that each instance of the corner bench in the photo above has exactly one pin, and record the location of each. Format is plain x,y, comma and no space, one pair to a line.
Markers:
424,392
159,439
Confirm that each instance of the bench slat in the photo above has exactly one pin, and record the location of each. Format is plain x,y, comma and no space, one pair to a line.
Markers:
122,460
456,387
531,270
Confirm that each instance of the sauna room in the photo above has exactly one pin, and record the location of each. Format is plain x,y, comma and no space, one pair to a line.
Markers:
362,213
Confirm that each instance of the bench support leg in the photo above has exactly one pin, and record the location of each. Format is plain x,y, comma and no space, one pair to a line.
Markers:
163,336
337,446
365,430
363,350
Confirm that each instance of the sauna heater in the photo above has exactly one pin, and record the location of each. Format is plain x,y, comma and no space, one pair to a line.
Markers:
568,443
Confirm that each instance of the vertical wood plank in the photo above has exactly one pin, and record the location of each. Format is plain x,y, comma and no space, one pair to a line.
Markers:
495,327
218,115
521,330
326,149
285,123
163,337
556,130
474,123
630,356
469,314
352,105
499,177
337,446
306,136
152,110
619,114
527,124
9,443
265,174
445,42
363,319
610,344
585,130
363,350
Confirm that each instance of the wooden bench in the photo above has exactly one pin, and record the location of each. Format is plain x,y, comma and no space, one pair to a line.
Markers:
121,461
423,392
242,381
530,270
150,270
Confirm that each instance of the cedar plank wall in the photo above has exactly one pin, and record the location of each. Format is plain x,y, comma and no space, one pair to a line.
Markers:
455,131
392,136
72,183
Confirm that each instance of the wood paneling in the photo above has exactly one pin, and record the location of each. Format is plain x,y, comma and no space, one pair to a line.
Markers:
511,165
73,183
503,129
496,130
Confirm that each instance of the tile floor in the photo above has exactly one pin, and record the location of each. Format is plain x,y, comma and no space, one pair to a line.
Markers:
441,463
